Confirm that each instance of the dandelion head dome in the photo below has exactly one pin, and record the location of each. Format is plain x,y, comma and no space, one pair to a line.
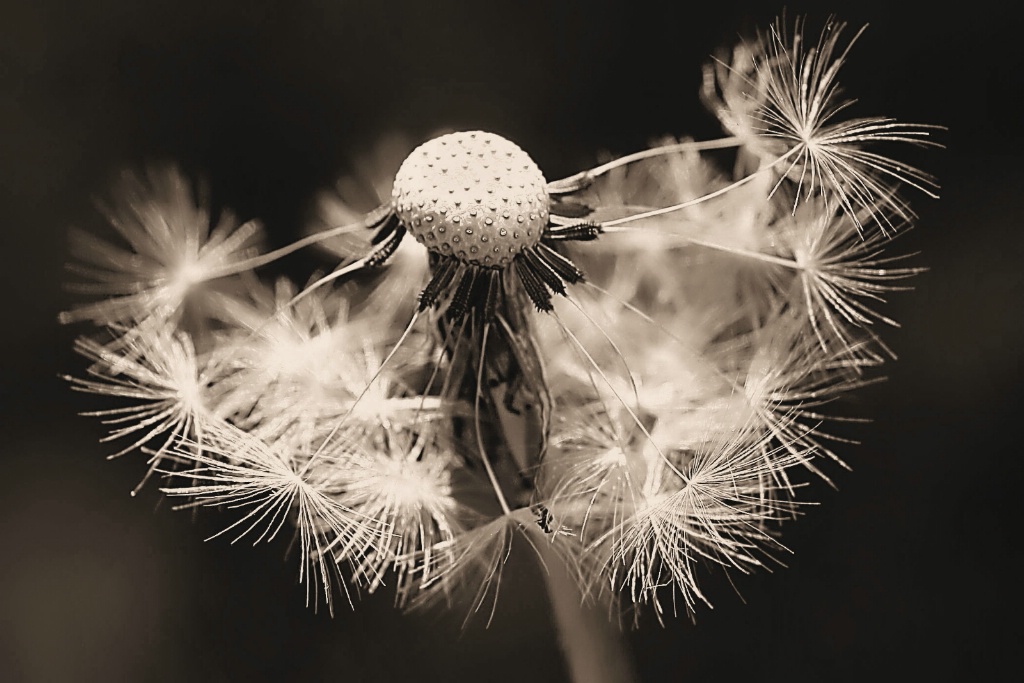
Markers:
474,196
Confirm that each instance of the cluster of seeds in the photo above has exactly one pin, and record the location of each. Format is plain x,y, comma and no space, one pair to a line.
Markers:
472,195
656,414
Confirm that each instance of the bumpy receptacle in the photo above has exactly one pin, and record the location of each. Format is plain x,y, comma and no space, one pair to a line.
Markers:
474,196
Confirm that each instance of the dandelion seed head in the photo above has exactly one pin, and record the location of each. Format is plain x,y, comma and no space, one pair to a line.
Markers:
189,273
697,322
842,276
402,483
409,475
165,247
291,350
190,390
472,562
408,486
472,195
714,510
295,369
270,488
163,383
157,373
733,89
802,101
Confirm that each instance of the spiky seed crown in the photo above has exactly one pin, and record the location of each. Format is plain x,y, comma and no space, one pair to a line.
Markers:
472,195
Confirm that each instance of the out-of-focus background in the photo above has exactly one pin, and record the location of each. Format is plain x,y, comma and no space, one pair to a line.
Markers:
910,570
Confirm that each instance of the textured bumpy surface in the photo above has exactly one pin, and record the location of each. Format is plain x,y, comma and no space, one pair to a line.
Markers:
472,195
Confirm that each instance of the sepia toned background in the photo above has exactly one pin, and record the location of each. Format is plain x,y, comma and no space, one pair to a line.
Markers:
908,570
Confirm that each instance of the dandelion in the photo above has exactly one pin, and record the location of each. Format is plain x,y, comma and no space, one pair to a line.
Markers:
473,562
164,382
404,483
628,371
797,101
715,511
166,249
235,470
285,369
841,275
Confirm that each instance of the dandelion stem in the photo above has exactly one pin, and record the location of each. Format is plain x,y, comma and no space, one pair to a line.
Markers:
594,648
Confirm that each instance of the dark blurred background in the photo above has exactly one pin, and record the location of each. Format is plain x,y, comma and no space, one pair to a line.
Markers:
909,570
